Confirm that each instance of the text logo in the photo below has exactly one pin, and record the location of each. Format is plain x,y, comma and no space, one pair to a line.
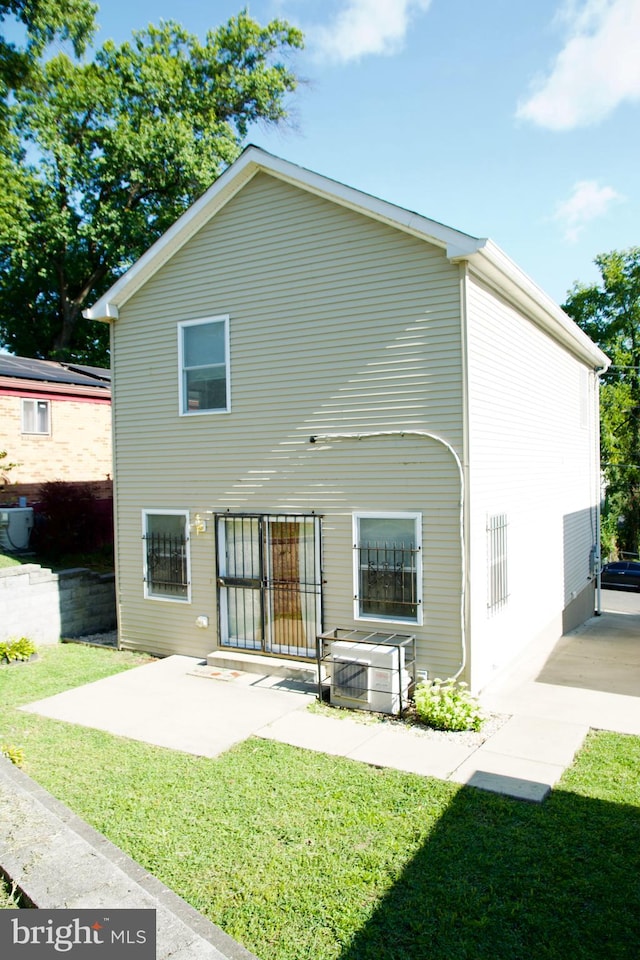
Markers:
79,934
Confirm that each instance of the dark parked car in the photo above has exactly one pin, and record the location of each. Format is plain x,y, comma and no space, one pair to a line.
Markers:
621,575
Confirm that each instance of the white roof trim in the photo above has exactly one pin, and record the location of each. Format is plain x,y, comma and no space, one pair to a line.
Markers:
252,161
483,256
498,270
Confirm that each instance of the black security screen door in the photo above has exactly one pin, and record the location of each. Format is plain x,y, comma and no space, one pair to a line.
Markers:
269,583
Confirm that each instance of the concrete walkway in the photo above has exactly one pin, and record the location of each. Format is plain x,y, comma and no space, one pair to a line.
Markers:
174,703
552,699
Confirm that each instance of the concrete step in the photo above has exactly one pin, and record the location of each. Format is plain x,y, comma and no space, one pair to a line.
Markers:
304,670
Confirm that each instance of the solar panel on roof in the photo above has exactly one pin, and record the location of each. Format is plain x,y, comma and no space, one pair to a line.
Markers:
50,371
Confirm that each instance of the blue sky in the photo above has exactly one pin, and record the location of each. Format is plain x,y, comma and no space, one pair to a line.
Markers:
513,120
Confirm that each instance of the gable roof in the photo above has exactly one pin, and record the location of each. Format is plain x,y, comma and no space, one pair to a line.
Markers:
484,257
51,371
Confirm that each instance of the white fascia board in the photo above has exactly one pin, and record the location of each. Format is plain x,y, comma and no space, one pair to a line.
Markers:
227,184
436,233
251,161
498,270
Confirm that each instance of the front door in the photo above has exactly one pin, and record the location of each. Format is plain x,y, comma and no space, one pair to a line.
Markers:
269,583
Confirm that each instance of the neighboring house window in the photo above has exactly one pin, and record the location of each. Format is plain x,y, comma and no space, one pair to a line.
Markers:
36,416
203,347
166,554
498,584
388,566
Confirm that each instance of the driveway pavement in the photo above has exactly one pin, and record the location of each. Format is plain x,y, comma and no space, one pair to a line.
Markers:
591,675
591,678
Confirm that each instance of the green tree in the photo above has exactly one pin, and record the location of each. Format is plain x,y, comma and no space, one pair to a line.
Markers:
123,145
609,312
43,21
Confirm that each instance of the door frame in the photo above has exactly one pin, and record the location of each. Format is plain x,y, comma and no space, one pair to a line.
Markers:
257,577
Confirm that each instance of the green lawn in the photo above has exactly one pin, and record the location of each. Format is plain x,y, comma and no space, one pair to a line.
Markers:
7,560
100,560
301,855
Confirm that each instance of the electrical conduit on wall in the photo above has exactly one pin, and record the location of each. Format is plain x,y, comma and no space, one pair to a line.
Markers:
425,435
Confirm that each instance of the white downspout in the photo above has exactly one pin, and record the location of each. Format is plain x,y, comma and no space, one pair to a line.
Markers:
426,435
598,558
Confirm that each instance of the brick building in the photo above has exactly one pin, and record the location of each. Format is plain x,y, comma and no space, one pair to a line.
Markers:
55,421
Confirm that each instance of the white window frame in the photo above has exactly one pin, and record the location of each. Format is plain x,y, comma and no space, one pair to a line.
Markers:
148,594
35,401
387,515
183,399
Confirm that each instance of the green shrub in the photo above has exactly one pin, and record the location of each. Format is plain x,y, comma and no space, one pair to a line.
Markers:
58,500
15,754
447,705
21,649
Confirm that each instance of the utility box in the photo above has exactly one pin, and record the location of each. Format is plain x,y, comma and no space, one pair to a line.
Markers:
367,670
16,524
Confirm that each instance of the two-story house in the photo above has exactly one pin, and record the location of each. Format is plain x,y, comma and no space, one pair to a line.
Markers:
331,412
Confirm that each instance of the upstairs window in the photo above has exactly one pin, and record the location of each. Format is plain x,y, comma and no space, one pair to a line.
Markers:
388,567
204,366
166,554
36,417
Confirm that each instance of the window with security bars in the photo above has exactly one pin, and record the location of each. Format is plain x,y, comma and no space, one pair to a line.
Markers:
166,555
498,582
388,567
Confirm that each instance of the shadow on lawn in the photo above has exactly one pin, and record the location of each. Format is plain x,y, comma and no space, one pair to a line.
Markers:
505,880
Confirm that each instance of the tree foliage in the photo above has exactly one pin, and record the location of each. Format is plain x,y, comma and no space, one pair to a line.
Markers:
43,21
121,147
609,312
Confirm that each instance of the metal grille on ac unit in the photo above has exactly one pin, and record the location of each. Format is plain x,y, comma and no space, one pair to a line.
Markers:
368,676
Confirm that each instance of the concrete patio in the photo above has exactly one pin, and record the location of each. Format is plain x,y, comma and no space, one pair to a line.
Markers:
591,678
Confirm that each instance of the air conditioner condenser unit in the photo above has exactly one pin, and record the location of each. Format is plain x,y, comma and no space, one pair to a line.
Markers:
368,676
16,524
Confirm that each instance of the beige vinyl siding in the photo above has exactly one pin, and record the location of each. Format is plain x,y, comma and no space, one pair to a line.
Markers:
532,456
338,323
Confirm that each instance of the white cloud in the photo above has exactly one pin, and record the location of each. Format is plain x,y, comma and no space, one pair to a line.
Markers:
598,68
366,27
587,202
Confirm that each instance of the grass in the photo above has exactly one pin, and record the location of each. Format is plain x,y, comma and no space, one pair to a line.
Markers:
9,899
302,855
7,560
99,560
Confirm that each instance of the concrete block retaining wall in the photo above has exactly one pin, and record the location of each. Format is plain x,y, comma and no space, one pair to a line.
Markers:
44,606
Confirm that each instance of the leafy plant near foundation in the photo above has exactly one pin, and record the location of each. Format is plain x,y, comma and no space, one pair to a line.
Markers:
448,705
21,649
